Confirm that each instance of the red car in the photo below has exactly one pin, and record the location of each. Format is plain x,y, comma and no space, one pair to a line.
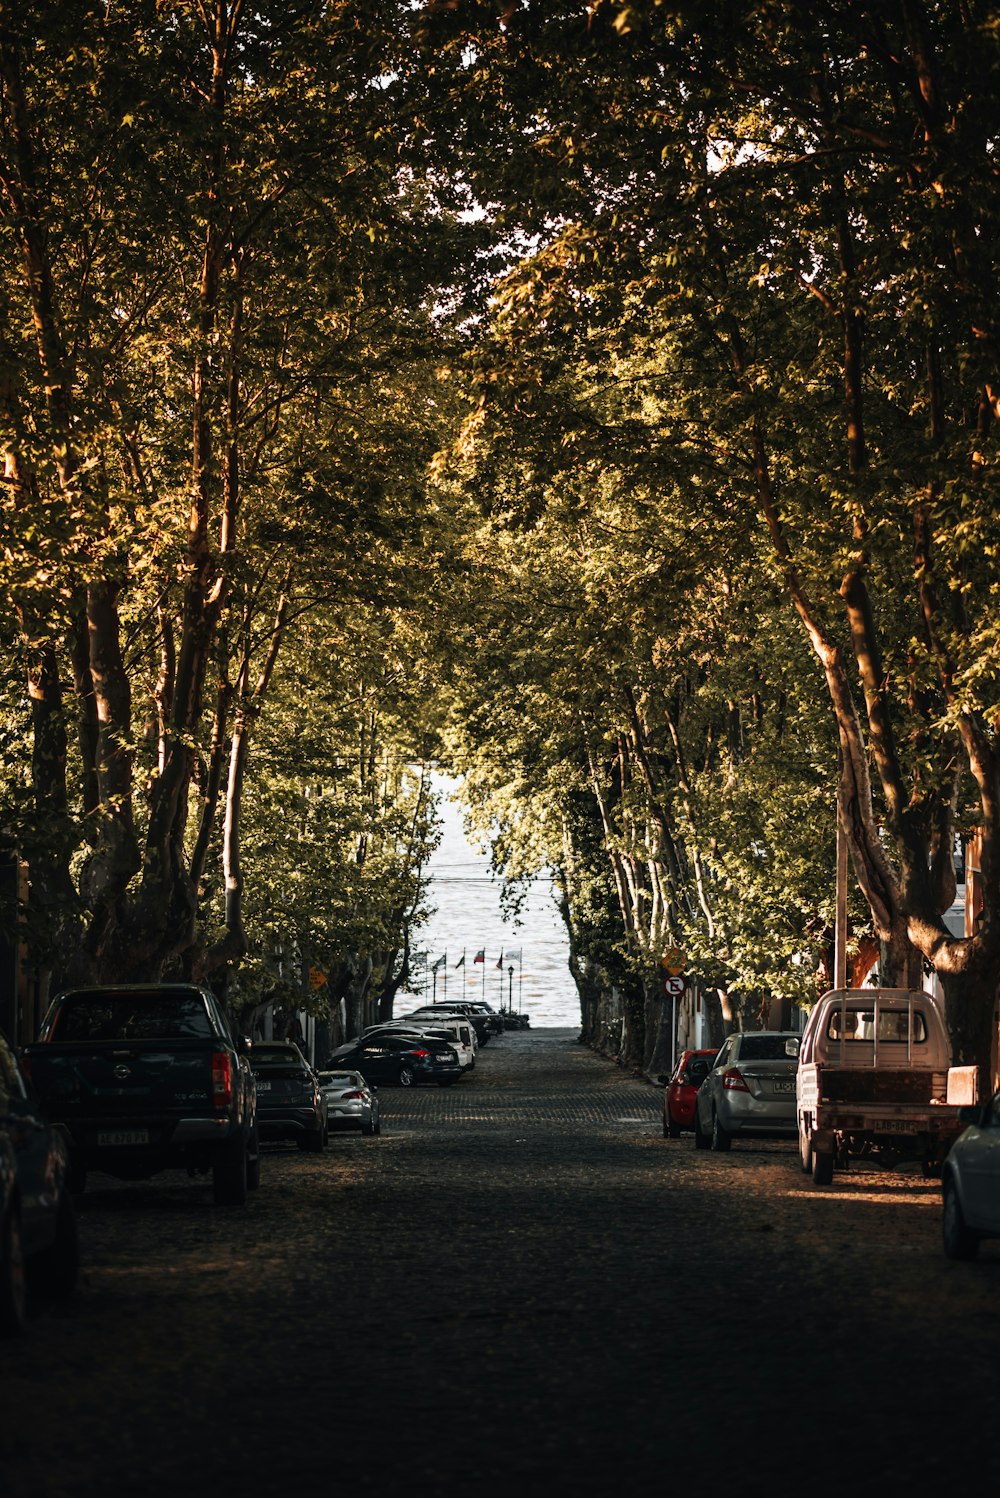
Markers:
681,1090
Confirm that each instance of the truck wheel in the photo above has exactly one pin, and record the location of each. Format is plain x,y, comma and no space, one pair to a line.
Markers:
313,1142
822,1167
54,1273
721,1139
229,1174
76,1176
253,1161
13,1286
960,1241
806,1148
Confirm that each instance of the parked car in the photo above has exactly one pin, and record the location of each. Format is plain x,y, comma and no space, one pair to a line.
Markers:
147,1077
750,1091
456,1029
970,1182
681,1089
351,1103
38,1243
479,1016
290,1101
402,1059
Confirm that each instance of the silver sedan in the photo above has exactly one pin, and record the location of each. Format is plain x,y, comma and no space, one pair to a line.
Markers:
749,1091
350,1102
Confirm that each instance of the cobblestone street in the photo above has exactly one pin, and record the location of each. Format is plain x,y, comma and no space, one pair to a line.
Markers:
520,1288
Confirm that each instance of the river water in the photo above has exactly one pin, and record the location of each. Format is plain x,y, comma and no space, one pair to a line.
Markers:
533,954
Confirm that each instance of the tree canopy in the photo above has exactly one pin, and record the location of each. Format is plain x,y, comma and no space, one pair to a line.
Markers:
600,396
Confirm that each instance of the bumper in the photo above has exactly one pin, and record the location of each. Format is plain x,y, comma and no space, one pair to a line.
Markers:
137,1148
763,1118
441,1074
287,1122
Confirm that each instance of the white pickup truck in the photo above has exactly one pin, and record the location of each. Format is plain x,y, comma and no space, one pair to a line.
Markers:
872,1081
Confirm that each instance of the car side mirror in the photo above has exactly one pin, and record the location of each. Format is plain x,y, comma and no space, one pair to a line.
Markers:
792,1046
244,1045
663,1079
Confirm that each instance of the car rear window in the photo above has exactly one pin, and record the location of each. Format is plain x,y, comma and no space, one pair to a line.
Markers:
124,1016
338,1079
763,1048
275,1055
892,1025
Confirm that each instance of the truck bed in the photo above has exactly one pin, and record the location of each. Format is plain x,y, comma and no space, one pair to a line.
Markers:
903,1088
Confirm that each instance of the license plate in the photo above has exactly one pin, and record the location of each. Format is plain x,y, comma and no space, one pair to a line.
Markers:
893,1126
263,1087
112,1138
783,1086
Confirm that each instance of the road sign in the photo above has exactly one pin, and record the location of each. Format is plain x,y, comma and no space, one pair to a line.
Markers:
672,961
674,986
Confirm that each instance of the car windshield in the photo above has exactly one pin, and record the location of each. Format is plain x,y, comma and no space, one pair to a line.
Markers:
763,1048
124,1016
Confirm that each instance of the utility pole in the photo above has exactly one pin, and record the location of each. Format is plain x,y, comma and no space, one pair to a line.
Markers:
840,925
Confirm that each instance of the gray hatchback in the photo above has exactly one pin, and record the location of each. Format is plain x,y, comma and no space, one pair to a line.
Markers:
749,1091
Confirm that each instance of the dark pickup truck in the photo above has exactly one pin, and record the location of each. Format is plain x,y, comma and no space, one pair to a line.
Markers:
144,1078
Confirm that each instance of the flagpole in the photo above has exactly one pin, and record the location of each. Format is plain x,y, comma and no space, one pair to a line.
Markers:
520,978
464,974
446,975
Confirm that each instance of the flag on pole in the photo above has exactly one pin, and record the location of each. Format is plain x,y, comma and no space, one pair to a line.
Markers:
514,956
442,960
480,955
500,963
461,961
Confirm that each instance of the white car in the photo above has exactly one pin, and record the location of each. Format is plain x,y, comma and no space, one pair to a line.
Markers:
455,1028
970,1182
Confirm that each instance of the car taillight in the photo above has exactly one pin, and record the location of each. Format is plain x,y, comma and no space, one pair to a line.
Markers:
420,1055
734,1081
222,1079
348,1097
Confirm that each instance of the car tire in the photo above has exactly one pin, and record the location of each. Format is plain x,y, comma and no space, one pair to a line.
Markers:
822,1167
313,1142
253,1161
54,1273
722,1140
407,1076
229,1174
76,1176
13,1282
805,1149
701,1140
960,1241
368,1128
673,1130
